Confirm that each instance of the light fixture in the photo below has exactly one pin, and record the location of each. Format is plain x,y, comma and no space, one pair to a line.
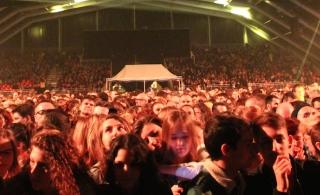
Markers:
222,2
79,1
259,32
241,11
57,8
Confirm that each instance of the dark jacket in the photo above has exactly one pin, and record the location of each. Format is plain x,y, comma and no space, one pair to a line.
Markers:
305,180
205,184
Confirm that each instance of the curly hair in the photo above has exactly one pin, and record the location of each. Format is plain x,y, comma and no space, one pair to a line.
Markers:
60,158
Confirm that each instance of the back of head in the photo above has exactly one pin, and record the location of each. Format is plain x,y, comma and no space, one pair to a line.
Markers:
272,120
285,109
24,110
21,133
223,129
57,119
257,101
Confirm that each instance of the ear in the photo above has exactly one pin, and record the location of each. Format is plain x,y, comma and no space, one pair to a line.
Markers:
268,107
317,144
29,118
225,149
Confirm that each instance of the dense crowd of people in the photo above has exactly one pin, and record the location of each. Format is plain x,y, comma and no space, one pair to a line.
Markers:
240,66
233,67
242,139
225,142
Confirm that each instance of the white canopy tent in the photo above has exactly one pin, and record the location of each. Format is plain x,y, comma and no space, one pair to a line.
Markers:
143,72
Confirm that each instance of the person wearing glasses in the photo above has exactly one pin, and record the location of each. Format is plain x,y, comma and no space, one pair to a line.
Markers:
39,112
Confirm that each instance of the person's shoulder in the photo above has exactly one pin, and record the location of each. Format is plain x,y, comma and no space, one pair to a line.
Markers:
311,163
202,177
204,183
309,176
310,167
19,184
86,184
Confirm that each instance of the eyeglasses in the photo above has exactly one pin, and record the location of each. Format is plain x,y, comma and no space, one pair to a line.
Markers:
40,112
308,114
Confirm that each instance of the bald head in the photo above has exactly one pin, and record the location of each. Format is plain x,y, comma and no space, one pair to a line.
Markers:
39,112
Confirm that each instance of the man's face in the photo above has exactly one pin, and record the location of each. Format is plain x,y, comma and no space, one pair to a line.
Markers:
141,102
221,108
86,107
274,103
185,100
173,101
308,116
316,105
221,98
254,103
39,112
273,142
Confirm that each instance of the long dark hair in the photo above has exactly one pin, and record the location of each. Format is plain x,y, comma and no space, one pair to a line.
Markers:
140,157
14,168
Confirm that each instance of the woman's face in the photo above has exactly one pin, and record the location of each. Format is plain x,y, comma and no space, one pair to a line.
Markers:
17,118
198,114
6,156
152,133
111,128
126,174
39,171
180,143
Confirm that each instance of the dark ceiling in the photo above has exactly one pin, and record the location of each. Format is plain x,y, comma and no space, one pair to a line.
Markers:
291,24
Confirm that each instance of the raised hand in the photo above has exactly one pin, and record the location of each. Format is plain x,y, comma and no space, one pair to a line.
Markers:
282,169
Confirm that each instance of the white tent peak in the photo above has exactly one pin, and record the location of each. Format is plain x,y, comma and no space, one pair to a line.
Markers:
144,72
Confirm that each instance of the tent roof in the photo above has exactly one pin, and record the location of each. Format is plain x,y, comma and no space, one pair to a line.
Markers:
144,72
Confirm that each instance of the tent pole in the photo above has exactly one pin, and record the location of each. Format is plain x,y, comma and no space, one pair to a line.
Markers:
144,86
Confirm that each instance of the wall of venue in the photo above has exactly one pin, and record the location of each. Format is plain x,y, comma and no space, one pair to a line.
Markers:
204,30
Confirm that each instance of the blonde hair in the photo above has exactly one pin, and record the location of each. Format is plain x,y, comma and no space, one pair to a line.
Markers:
96,148
82,139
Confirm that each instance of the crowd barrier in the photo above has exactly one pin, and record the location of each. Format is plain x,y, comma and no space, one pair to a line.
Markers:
278,85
